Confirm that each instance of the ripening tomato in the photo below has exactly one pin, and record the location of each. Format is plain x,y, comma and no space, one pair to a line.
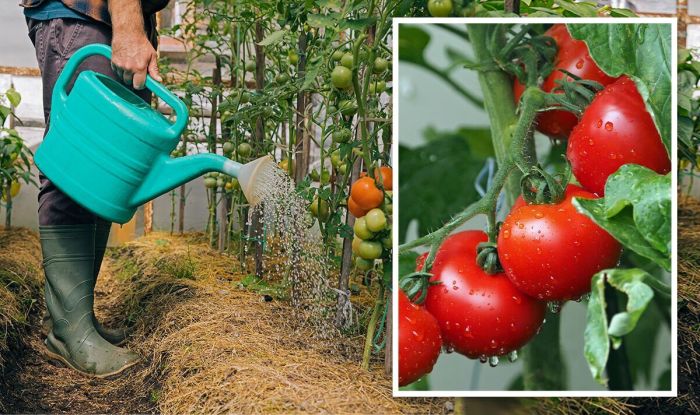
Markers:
354,209
615,129
572,56
419,341
551,251
480,315
366,194
385,172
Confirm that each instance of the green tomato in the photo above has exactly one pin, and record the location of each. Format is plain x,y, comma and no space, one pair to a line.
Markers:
343,169
440,8
342,135
228,147
356,245
377,87
250,66
380,65
347,107
370,250
363,264
361,230
319,209
337,55
281,78
244,150
220,182
314,175
245,97
335,159
387,242
234,182
331,109
210,182
292,57
325,177
375,220
341,77
347,60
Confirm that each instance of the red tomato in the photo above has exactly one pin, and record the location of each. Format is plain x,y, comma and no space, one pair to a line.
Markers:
551,251
572,56
386,176
480,315
615,129
419,341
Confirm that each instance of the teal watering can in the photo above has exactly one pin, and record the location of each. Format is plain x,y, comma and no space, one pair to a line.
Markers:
110,151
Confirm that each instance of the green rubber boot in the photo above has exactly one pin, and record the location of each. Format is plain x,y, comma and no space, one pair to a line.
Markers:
69,258
102,228
115,336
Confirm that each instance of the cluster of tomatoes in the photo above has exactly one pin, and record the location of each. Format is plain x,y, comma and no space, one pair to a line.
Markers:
548,252
372,208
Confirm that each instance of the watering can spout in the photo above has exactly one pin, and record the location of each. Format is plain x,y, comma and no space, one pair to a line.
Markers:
169,173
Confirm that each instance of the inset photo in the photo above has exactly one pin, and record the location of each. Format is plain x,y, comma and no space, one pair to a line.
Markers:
535,249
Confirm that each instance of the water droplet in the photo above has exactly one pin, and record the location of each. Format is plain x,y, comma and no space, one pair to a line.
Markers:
493,361
506,234
579,64
483,358
448,349
609,126
599,123
539,215
517,299
493,344
468,332
513,356
590,143
521,225
417,335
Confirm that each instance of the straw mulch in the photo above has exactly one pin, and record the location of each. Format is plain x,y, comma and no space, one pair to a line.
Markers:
209,346
20,282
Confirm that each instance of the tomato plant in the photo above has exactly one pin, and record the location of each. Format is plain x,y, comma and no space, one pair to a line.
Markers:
550,239
15,156
308,83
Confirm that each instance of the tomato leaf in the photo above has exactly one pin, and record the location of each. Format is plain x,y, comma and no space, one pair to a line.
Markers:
636,210
449,156
642,51
13,96
639,287
412,44
272,38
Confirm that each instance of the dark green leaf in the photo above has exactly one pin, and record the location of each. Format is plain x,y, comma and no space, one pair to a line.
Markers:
450,157
642,51
412,43
636,210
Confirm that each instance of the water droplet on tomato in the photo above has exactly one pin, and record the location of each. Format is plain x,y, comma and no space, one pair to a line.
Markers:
579,64
493,344
599,123
417,335
517,299
554,306
506,234
539,215
521,225
609,126
483,358
493,361
590,142
513,356
468,332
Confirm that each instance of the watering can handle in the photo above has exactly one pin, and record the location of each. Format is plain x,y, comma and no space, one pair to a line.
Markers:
60,93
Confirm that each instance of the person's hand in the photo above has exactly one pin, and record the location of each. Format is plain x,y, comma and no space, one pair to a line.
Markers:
133,57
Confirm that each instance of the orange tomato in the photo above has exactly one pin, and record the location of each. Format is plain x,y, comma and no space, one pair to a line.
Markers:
386,176
354,209
366,194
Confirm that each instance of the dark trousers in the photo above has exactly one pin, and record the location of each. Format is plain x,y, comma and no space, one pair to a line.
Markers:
55,42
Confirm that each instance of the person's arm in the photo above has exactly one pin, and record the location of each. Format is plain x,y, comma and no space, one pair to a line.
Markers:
132,54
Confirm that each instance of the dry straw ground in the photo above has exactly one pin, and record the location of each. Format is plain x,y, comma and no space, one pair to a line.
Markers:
209,345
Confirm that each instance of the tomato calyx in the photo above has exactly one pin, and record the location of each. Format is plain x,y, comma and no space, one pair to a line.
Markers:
487,258
416,285
539,187
529,59
572,94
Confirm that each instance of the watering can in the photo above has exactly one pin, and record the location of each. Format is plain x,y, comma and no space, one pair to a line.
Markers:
109,150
